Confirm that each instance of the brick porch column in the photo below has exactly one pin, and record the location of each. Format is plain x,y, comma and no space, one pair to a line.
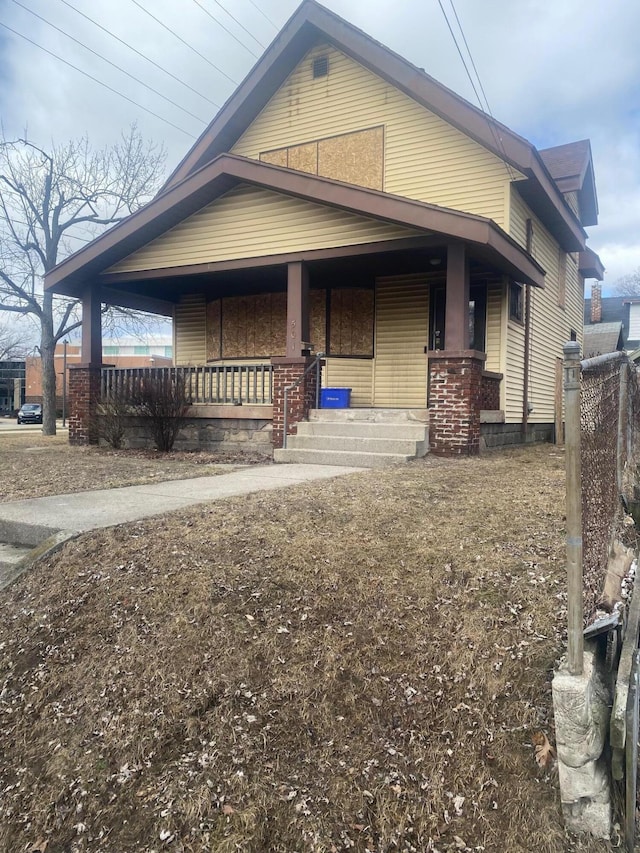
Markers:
84,394
455,400
286,371
84,378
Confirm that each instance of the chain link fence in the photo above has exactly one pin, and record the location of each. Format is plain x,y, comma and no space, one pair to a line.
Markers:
610,440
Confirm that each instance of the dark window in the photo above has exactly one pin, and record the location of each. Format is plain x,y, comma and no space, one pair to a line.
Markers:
477,318
516,302
573,335
320,66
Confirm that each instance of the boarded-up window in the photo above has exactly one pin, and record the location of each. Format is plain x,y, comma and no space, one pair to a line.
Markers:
214,330
355,158
251,326
318,320
351,322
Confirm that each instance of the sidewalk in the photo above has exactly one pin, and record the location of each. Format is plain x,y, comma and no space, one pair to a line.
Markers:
102,508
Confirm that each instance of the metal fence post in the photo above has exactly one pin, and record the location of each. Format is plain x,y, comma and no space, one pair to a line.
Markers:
575,645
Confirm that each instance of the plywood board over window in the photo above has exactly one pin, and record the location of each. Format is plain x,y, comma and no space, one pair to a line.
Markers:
351,322
214,329
355,158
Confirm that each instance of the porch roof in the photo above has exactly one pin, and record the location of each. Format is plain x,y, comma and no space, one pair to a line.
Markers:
485,239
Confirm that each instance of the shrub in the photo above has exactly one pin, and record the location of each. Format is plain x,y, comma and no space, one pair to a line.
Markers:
164,398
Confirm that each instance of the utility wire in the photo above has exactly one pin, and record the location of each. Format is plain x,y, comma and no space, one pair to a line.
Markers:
490,124
240,24
226,29
109,62
139,53
186,43
95,80
264,15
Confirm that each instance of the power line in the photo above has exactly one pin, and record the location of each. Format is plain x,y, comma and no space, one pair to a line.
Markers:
95,80
109,62
139,53
264,15
186,43
226,29
490,125
240,24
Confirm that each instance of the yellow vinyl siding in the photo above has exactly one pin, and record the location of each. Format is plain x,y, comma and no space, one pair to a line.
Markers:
551,324
401,334
425,158
190,330
250,222
493,343
354,373
514,379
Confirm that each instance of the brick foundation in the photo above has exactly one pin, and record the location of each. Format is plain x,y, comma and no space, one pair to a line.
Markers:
300,400
490,391
455,401
83,394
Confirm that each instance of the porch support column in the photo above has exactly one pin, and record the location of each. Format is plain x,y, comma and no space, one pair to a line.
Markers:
456,323
84,378
297,309
455,400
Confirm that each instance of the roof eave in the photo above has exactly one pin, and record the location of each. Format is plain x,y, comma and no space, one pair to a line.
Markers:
193,193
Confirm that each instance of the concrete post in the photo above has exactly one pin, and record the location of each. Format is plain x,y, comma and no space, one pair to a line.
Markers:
622,425
575,644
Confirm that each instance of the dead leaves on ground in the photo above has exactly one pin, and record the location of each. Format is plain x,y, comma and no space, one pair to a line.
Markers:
544,753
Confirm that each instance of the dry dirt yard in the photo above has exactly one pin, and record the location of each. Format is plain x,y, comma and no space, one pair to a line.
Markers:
360,664
34,465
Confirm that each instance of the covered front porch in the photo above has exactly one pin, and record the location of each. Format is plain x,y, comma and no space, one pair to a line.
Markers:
407,302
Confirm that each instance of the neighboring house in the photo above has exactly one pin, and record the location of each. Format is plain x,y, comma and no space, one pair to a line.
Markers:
121,353
611,323
343,201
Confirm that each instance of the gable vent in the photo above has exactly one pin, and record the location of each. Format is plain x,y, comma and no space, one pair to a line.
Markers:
320,66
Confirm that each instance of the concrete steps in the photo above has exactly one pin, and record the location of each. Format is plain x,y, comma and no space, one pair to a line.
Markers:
365,438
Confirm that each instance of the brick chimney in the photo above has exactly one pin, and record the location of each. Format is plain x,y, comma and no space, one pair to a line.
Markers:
596,302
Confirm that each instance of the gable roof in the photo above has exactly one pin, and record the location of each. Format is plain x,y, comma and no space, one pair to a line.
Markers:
72,275
571,167
602,338
312,24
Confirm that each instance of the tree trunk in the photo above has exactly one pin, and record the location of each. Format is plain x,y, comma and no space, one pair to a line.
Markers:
47,350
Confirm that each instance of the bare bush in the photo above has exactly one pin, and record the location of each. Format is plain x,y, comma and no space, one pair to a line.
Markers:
164,399
110,418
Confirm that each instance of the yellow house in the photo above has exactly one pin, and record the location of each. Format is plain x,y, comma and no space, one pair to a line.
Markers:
344,202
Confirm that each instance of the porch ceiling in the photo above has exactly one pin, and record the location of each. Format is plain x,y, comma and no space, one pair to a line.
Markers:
485,240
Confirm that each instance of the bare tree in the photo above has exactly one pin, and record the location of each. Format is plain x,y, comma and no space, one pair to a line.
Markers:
629,285
51,203
13,346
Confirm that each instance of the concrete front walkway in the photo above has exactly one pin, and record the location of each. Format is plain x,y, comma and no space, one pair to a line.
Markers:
88,510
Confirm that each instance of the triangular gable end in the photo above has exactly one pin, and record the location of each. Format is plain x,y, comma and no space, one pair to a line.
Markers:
350,124
252,222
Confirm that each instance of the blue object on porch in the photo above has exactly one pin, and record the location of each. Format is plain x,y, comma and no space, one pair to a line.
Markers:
335,398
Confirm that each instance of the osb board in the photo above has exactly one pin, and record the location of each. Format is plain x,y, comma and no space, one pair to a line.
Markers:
254,326
214,338
318,320
304,158
356,158
276,158
351,325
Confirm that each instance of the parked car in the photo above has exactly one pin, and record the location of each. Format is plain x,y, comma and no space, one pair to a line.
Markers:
30,413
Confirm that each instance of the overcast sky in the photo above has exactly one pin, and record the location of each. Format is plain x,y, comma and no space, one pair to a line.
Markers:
554,71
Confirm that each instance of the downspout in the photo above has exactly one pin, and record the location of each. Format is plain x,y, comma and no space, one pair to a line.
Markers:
527,338
525,381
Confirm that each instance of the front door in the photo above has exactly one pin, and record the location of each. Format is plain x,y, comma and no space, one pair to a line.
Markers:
401,339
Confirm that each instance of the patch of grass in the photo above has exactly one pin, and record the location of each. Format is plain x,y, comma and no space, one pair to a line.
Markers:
356,664
35,466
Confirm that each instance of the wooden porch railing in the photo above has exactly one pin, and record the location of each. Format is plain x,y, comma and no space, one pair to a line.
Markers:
207,384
